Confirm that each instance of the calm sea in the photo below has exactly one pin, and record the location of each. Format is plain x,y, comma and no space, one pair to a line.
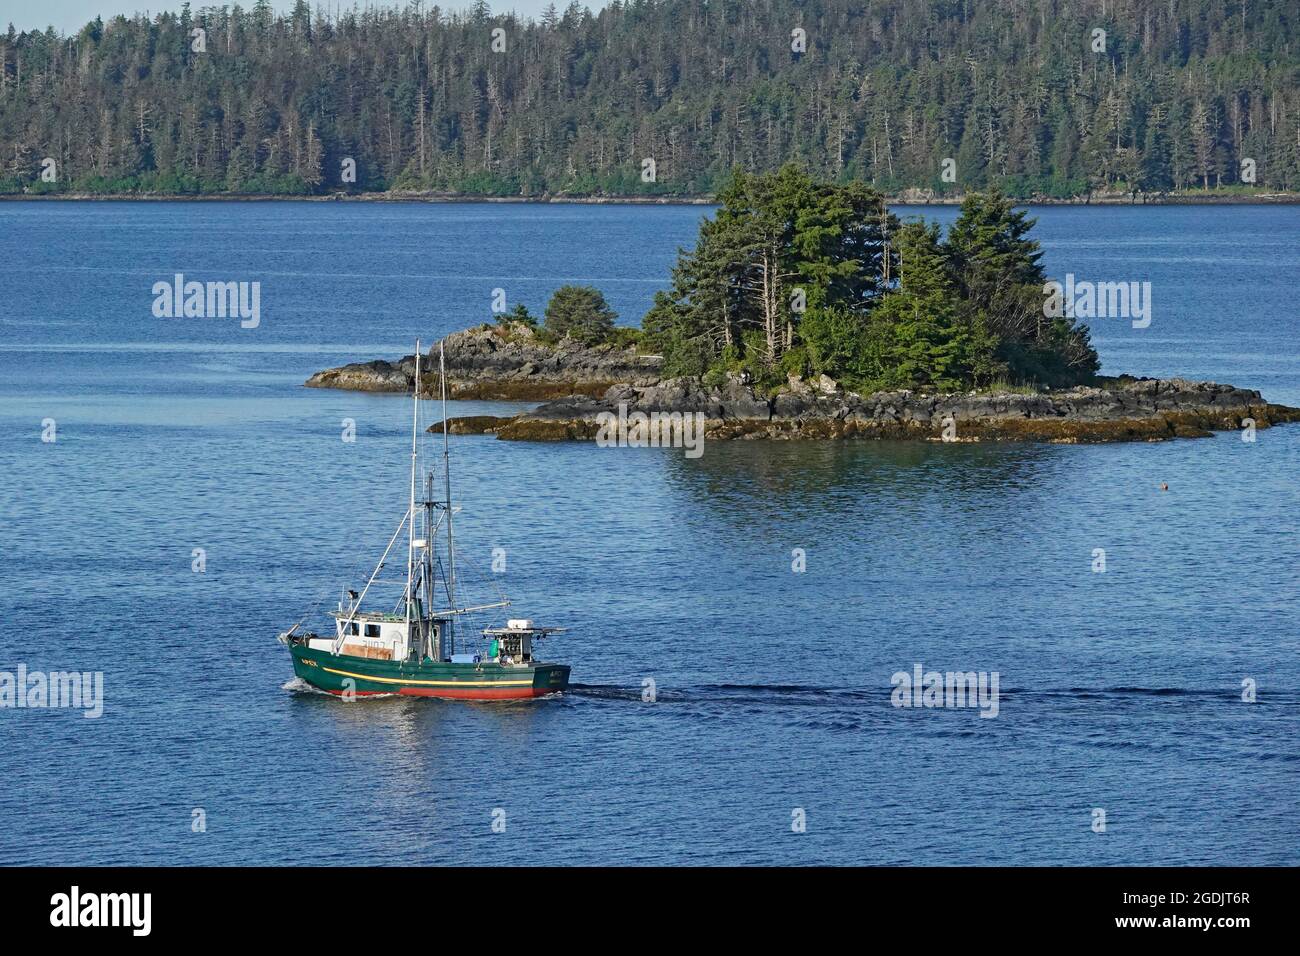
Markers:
1119,691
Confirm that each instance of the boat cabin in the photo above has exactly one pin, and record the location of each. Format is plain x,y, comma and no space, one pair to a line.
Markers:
380,636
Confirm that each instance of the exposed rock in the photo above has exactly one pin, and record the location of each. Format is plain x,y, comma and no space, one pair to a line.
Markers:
1124,410
507,363
377,376
472,425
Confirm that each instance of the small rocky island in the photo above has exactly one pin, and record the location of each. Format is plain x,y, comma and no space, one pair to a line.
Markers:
576,383
807,310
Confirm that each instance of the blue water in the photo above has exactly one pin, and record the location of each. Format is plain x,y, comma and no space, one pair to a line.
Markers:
1119,691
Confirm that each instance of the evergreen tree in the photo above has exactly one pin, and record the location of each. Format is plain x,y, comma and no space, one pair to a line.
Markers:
782,246
926,342
580,313
999,278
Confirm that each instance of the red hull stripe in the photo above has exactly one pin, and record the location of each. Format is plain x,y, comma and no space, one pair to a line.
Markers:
476,693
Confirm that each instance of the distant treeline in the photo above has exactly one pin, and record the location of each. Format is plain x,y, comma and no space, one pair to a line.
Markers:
1028,95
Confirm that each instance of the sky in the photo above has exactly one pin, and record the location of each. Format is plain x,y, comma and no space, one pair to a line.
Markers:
69,16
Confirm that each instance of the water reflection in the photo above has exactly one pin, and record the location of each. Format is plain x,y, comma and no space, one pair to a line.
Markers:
739,482
420,741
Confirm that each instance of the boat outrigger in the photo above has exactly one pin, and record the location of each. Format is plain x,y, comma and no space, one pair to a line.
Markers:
412,649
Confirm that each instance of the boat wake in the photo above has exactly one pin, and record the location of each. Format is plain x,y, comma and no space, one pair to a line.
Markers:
720,692
297,685
809,694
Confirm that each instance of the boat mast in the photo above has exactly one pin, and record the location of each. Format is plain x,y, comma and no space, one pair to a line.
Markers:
410,536
426,567
446,469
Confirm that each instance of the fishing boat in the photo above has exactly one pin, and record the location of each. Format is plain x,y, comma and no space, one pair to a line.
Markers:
411,646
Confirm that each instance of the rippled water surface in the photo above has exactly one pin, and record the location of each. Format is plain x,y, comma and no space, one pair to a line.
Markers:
1119,691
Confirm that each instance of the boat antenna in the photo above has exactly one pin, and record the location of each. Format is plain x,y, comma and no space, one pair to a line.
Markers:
410,530
446,469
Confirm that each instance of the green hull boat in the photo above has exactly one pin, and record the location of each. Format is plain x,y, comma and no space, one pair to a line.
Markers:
409,649
490,680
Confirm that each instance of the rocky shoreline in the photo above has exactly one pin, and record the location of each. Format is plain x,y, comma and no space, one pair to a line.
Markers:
503,363
1127,410
583,388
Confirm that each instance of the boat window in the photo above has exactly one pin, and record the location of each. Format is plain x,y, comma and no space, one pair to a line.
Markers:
372,630
354,628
